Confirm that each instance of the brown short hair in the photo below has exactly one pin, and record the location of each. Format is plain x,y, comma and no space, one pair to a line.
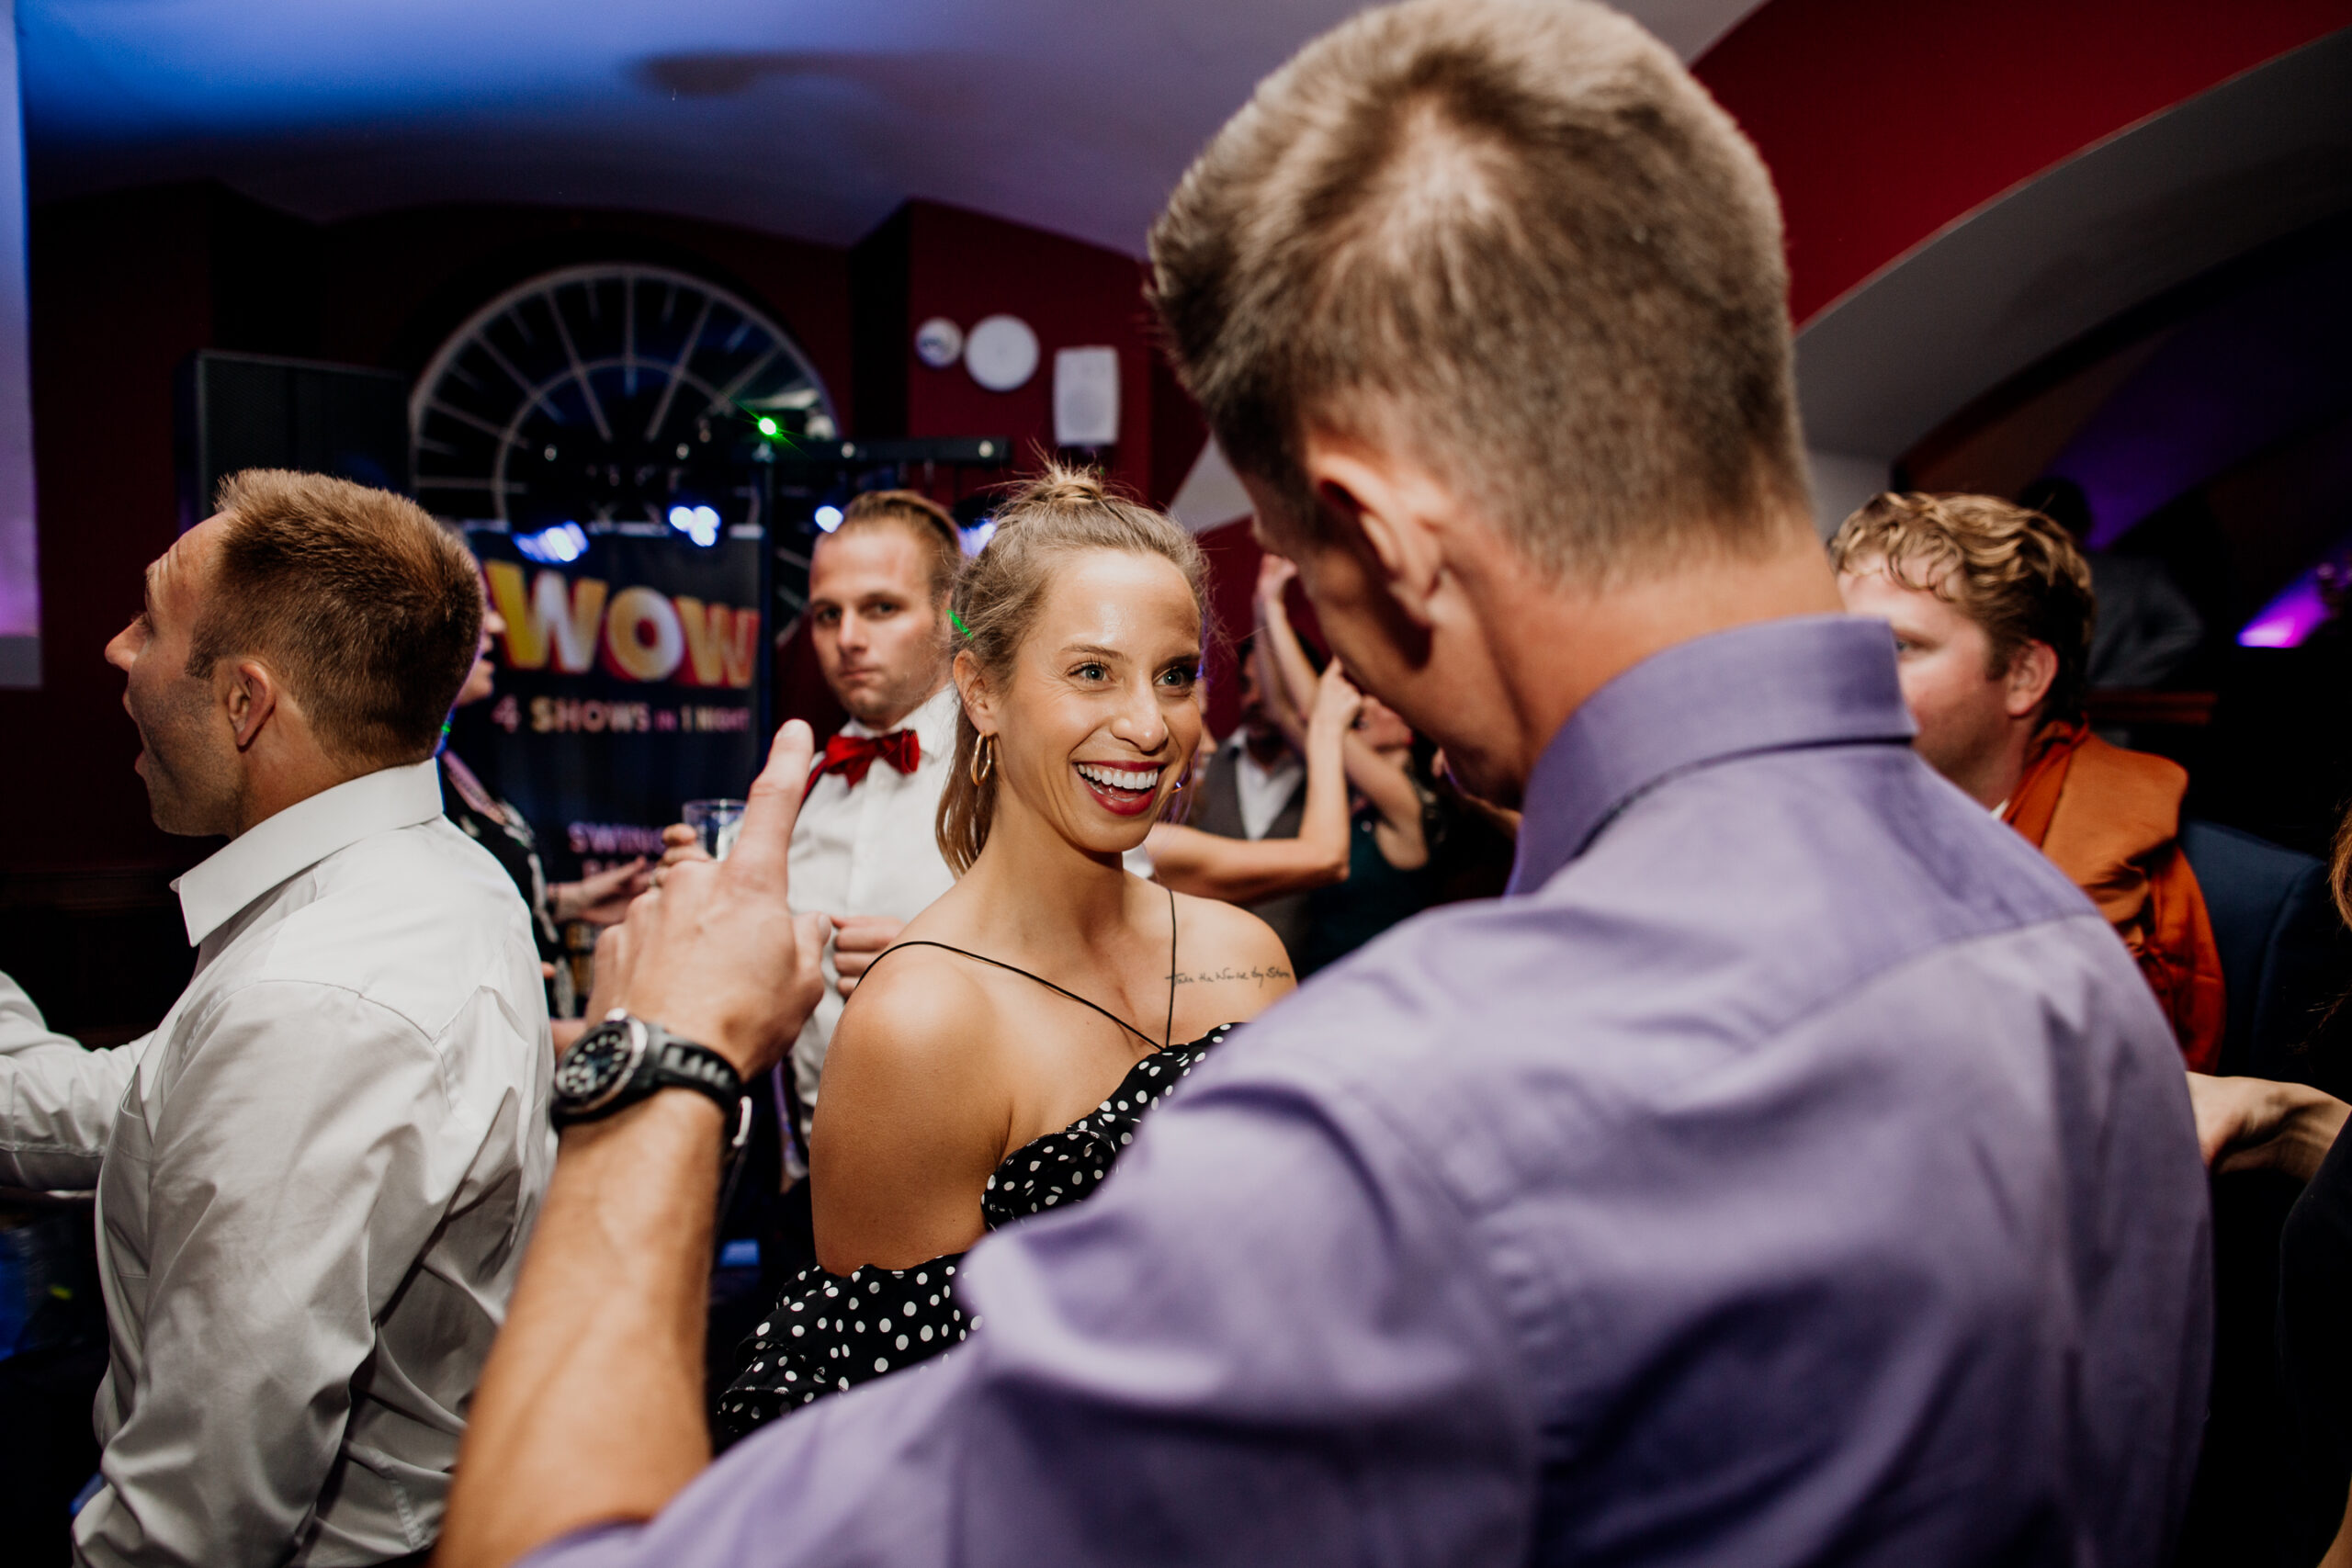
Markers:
933,526
1524,239
1059,513
368,609
2011,570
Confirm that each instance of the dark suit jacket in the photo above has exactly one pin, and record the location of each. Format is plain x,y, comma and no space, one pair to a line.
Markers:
2283,952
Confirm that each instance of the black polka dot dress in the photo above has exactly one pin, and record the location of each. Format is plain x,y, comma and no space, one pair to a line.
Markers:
831,1332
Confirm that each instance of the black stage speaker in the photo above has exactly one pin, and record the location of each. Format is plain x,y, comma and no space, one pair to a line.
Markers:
248,411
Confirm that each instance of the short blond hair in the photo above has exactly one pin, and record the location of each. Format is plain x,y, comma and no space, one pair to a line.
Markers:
2010,568
932,524
370,611
1519,237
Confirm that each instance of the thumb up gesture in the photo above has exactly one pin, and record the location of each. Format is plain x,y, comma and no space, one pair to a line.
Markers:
712,952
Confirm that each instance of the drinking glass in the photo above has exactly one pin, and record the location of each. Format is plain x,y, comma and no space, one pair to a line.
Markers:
716,823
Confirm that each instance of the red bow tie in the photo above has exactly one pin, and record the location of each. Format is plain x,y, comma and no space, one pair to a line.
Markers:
852,755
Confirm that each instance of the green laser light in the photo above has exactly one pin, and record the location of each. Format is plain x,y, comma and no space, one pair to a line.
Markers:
768,426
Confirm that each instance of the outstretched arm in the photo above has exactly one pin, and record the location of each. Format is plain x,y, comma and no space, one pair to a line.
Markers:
57,1100
1385,782
1242,871
1269,1338
1291,690
591,1407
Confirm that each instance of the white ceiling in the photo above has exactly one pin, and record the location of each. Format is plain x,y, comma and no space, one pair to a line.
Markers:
803,118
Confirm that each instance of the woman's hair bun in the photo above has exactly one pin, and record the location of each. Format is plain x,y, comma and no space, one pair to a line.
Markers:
1058,485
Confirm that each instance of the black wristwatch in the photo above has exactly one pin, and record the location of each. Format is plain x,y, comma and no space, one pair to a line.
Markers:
625,1059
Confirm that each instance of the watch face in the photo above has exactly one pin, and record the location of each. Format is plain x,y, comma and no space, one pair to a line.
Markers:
598,1064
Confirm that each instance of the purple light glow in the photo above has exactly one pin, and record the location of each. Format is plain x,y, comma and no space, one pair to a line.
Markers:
2287,620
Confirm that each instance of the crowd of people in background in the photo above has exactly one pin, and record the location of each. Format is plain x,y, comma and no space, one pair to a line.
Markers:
1753,1090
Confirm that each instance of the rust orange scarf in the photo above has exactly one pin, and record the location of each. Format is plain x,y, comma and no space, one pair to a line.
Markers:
2110,819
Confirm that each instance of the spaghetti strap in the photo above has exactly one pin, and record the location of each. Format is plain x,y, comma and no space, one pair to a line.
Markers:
1171,1030
1073,996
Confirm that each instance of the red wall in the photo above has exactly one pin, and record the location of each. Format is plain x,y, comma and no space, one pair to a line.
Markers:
1884,120
121,291
965,266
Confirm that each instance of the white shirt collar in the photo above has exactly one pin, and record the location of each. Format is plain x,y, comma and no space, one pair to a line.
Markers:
934,722
300,837
1288,765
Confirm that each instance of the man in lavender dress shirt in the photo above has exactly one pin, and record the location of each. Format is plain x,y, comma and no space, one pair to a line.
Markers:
1793,1168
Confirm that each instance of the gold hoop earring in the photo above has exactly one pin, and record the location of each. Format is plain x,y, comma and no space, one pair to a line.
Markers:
983,759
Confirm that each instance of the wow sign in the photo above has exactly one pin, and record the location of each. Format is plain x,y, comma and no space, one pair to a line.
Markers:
561,621
629,680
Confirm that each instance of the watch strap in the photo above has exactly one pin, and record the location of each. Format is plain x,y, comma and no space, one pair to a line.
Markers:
672,1063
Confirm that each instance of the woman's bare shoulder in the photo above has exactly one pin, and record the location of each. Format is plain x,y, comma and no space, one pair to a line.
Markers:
1233,955
918,1007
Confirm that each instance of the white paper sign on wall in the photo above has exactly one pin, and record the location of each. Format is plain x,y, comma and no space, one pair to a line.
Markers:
939,342
1000,352
1086,397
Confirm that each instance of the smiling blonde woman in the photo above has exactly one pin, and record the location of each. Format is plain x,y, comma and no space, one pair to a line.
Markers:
993,1063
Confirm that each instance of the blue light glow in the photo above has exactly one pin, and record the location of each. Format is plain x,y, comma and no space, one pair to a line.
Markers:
828,518
699,524
559,546
976,537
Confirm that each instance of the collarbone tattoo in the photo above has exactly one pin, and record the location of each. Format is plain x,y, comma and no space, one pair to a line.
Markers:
1255,973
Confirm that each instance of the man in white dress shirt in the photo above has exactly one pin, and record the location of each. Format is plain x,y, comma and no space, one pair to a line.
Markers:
316,1176
865,851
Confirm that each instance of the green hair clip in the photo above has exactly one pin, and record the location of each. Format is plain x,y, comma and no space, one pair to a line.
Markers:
959,621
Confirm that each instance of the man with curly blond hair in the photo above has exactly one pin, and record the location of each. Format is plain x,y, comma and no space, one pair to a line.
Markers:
1992,609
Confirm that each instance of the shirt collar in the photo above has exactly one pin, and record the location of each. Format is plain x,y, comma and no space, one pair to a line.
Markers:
300,837
1774,687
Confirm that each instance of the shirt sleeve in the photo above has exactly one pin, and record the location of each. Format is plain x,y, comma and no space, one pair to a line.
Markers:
292,1185
57,1100
1264,1342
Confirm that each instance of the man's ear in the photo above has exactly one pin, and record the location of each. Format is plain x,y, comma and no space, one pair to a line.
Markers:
1391,511
250,695
2032,672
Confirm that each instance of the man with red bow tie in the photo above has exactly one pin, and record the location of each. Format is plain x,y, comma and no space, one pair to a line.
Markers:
863,850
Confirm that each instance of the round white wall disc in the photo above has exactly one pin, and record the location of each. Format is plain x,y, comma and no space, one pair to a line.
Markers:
1001,353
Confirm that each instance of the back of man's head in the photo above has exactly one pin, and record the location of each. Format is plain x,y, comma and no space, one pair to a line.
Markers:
2013,571
931,525
368,610
1518,240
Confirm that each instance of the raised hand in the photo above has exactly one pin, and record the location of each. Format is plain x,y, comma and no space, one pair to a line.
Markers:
604,898
1274,574
1336,702
713,951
